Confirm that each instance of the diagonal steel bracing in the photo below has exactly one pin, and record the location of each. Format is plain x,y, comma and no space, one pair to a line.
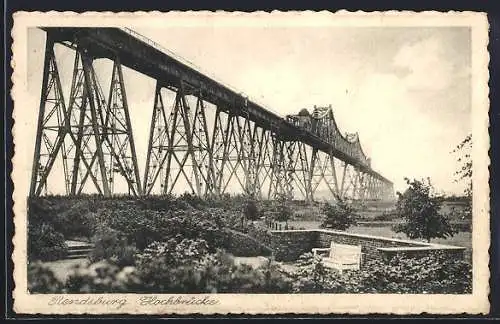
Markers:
323,170
227,151
202,146
52,123
278,185
158,144
264,159
297,169
114,151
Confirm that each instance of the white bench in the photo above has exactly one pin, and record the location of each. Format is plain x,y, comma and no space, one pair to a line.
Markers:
340,256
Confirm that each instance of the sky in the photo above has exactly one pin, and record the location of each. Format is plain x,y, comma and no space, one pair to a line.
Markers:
405,90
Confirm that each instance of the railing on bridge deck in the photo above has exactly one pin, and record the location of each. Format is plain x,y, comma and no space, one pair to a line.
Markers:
192,65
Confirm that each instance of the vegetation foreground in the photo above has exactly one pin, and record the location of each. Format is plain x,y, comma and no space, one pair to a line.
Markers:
189,245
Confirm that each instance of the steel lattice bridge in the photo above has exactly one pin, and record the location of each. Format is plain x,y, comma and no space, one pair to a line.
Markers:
266,155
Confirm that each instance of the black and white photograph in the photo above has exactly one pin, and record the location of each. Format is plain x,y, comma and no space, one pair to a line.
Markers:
185,162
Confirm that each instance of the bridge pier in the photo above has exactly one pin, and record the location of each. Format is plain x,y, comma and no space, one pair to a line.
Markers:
179,144
323,170
298,169
92,137
230,151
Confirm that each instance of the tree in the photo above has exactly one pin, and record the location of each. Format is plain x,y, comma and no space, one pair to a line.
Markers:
339,216
419,208
464,173
251,211
282,212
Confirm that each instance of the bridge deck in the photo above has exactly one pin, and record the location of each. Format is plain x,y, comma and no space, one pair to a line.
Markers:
144,57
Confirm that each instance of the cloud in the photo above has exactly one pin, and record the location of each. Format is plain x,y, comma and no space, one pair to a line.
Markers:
404,114
406,91
428,65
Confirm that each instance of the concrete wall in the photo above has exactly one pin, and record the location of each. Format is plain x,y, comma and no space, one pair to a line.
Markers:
451,252
289,245
241,244
292,243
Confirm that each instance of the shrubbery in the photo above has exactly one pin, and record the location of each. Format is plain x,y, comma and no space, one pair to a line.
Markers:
187,267
42,280
166,267
119,227
177,246
45,243
247,244
111,245
433,274
72,217
251,210
339,216
313,277
419,208
140,227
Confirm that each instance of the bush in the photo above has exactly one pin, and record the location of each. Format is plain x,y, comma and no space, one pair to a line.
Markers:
433,274
77,220
251,211
186,267
142,221
313,277
280,209
45,243
142,227
248,245
170,266
42,280
339,216
420,210
232,219
112,246
178,267
102,277
263,235
72,217
192,200
159,203
244,279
